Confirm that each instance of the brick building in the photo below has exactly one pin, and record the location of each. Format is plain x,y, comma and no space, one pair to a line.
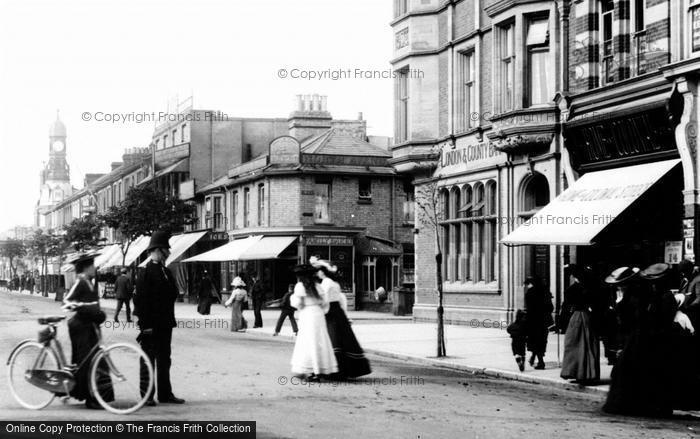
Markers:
553,132
475,127
323,190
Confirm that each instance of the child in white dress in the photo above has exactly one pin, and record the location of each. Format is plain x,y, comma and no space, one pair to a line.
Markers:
313,352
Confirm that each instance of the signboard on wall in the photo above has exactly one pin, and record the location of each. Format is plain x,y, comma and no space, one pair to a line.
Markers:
673,252
284,150
695,25
470,156
187,190
317,240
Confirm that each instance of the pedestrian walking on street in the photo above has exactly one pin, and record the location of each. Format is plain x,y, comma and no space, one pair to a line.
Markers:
156,292
123,289
581,345
287,311
239,296
518,335
538,305
205,293
257,292
349,355
313,351
84,330
642,378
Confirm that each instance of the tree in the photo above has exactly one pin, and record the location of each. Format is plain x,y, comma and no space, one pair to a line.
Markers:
45,246
83,233
430,214
13,249
144,211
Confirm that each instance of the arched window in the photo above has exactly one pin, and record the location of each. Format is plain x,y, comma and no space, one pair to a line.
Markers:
534,195
491,230
445,244
456,235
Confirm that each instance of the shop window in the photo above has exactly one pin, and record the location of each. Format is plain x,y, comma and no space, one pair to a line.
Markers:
246,207
539,80
507,66
369,268
465,90
365,189
409,267
261,205
401,94
470,230
322,200
534,196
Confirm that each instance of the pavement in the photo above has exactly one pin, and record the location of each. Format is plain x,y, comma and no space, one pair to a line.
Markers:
481,348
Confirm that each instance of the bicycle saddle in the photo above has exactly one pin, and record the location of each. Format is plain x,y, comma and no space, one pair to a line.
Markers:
50,319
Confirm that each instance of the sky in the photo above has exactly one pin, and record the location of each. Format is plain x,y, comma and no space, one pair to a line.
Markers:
91,59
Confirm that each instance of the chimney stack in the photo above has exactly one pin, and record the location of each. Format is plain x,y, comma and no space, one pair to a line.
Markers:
311,117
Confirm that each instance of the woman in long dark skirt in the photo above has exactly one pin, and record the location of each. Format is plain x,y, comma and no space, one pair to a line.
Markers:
642,382
351,359
84,332
538,305
581,346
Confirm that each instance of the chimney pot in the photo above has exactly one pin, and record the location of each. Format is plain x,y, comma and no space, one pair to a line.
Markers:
324,103
359,116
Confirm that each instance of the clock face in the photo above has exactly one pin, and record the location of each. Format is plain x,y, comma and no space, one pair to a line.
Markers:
57,146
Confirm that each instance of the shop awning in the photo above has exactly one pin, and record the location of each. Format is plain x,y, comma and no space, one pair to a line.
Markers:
371,246
135,249
269,247
227,252
590,204
107,253
179,244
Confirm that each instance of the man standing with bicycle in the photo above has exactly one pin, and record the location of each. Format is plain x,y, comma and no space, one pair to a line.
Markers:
154,303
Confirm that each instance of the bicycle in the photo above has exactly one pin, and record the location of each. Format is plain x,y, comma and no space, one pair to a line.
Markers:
121,369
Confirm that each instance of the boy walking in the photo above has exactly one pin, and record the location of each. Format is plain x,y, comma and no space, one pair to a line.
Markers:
518,335
286,310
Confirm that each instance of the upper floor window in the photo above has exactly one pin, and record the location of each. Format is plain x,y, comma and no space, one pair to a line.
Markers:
400,7
182,133
401,105
694,26
639,37
507,67
174,136
607,11
246,207
365,189
409,204
322,202
539,78
234,210
465,90
165,141
214,212
261,205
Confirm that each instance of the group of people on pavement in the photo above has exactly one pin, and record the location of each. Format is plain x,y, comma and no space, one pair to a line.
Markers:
154,304
326,346
25,282
647,326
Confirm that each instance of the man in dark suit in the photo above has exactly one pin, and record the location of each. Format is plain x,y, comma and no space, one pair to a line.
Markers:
257,291
122,291
154,303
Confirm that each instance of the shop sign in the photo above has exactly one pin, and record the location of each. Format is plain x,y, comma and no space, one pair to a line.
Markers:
689,249
469,154
673,252
696,28
328,240
218,236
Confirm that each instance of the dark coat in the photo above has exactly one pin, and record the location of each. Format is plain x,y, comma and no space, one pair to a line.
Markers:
156,292
123,287
257,291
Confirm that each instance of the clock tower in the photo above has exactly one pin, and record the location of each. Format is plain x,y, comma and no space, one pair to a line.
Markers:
55,177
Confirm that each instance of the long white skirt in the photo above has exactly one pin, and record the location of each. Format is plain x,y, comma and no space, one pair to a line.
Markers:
313,351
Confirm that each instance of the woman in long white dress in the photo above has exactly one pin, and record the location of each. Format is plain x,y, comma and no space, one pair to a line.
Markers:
238,296
313,352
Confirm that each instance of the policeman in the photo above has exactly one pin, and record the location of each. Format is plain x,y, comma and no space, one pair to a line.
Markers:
154,304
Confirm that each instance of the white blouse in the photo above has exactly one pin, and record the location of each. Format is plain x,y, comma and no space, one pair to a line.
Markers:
300,299
237,294
334,294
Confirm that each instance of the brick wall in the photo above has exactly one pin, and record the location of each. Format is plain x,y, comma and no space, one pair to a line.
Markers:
463,18
285,201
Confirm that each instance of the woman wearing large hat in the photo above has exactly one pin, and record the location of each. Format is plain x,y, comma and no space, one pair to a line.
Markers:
351,359
641,379
313,351
84,328
238,296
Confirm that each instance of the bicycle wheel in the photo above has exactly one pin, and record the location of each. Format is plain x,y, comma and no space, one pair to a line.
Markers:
30,356
121,378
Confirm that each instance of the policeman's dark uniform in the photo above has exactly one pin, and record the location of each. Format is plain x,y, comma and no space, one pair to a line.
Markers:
154,302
